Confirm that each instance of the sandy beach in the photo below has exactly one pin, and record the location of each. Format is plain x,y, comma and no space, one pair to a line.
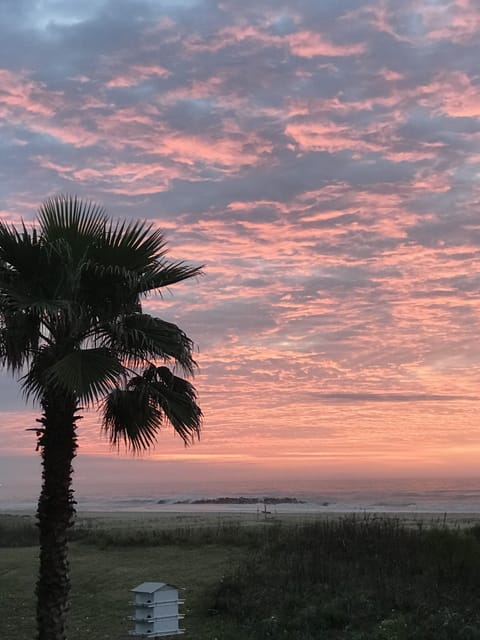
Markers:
174,519
201,519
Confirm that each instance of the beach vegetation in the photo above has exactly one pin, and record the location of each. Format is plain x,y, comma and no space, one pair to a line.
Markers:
358,579
352,578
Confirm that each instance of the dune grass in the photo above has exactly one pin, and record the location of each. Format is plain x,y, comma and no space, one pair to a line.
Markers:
348,579
359,579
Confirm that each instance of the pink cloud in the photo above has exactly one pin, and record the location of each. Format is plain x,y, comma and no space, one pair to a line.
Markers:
309,44
433,182
20,94
305,44
127,178
327,136
380,17
454,94
136,74
194,90
457,21
229,151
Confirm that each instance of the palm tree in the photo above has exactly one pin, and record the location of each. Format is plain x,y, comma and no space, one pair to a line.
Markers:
71,323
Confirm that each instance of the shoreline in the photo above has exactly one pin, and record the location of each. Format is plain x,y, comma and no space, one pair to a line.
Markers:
206,518
200,518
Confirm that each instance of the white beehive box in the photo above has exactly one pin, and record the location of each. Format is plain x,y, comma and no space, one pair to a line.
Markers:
156,610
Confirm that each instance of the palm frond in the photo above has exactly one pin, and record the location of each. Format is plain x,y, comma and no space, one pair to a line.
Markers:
147,242
110,287
178,399
140,337
34,383
129,417
136,246
19,338
31,270
87,373
134,415
165,274
20,252
68,218
25,301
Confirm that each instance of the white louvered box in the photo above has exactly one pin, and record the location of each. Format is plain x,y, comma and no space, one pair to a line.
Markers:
156,610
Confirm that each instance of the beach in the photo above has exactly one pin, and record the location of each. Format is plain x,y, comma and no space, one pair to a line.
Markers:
214,518
178,518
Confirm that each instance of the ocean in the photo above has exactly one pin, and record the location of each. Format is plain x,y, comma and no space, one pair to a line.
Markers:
405,495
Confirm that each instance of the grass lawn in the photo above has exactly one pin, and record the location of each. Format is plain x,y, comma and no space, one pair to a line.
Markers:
101,580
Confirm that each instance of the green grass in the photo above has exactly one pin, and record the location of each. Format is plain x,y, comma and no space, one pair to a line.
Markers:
348,579
101,580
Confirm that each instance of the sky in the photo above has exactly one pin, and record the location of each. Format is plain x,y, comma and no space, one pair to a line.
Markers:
322,160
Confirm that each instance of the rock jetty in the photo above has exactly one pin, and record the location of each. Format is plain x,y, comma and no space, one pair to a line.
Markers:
242,500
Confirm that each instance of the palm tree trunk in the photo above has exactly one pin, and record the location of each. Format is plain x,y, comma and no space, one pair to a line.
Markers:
55,513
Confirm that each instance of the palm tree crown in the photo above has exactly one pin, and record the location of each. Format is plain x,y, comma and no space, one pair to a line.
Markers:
70,313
